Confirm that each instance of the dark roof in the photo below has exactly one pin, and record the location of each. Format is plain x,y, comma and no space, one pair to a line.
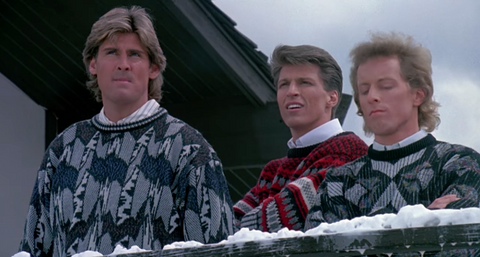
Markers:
207,58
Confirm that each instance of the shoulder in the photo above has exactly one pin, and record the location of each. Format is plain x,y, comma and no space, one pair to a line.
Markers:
181,135
175,127
346,143
274,164
76,130
348,137
448,152
349,169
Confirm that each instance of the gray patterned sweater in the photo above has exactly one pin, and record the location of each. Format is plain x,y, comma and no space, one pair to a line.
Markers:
385,181
146,183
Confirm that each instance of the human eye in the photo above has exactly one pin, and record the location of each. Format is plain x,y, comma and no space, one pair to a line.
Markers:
306,83
387,85
364,92
363,89
110,52
282,83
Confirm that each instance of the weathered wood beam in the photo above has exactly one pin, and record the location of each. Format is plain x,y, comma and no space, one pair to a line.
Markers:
252,81
425,240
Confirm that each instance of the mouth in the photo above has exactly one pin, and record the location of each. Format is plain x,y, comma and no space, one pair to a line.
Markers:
121,80
294,106
375,112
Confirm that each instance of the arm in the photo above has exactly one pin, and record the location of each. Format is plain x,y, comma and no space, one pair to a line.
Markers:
208,216
462,171
258,193
442,202
37,235
330,204
290,206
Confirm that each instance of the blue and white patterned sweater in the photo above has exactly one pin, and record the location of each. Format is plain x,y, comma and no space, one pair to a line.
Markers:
146,183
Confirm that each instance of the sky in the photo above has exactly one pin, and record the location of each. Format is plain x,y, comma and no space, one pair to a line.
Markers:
448,28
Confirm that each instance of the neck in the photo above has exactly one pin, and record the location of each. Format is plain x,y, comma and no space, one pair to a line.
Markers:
116,112
393,139
298,132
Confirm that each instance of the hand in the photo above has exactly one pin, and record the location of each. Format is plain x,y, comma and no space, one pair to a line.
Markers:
442,202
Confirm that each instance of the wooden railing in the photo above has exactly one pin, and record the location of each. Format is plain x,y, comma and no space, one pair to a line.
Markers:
421,241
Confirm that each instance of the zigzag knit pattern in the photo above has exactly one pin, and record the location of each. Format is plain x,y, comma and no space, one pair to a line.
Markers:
385,181
286,187
147,183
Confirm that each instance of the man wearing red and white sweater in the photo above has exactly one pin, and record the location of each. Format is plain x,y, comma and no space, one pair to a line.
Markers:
309,87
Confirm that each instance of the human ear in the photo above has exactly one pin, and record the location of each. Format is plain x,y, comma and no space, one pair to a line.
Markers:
419,96
154,71
93,66
332,98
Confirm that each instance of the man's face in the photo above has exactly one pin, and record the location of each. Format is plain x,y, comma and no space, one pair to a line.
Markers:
389,105
123,71
302,99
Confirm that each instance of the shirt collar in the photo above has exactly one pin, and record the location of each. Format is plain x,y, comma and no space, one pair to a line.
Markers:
147,110
409,140
317,135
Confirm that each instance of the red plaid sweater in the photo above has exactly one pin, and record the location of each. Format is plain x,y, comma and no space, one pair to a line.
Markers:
287,186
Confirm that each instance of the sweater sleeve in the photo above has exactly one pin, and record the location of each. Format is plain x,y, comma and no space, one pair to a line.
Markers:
290,206
330,204
208,214
258,193
462,171
37,236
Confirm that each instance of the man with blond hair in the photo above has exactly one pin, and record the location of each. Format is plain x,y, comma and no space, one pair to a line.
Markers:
309,87
133,174
391,76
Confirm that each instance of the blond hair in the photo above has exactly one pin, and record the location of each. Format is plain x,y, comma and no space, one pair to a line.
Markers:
415,65
125,20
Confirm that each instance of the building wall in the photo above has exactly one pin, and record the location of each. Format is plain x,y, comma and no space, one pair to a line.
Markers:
22,133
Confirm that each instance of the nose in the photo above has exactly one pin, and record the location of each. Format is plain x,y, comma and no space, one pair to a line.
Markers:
293,89
123,63
373,96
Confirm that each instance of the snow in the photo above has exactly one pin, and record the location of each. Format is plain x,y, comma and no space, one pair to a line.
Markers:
186,244
118,250
21,254
407,217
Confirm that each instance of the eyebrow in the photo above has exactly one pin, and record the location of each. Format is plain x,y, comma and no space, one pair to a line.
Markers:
296,79
385,78
108,49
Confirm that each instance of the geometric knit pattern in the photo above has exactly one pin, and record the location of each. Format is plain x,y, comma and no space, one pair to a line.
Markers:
385,181
287,187
147,183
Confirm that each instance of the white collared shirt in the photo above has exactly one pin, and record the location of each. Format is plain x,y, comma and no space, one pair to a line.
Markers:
147,110
317,135
409,140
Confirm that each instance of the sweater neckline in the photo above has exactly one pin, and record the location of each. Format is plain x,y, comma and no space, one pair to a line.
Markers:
403,151
129,125
305,151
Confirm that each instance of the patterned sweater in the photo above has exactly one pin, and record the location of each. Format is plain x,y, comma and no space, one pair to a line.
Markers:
146,183
385,181
287,186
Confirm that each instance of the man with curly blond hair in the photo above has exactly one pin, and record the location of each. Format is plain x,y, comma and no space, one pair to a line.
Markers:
391,77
